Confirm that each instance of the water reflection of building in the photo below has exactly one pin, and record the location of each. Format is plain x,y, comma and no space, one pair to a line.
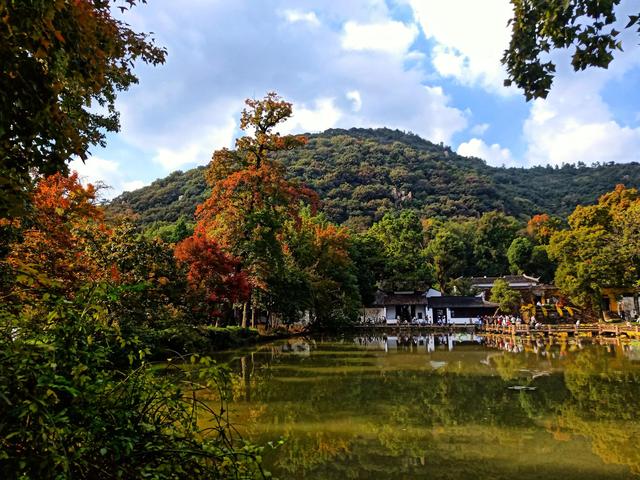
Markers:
296,346
418,342
544,347
633,352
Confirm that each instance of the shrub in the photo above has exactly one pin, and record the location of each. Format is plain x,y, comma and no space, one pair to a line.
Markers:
78,400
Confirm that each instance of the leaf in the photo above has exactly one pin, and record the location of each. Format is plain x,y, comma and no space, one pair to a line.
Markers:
633,19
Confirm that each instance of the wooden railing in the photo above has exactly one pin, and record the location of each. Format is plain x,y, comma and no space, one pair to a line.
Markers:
599,328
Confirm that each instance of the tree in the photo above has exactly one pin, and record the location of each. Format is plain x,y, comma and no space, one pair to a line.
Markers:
525,257
519,255
538,27
60,60
80,400
367,255
494,232
321,250
540,228
402,237
148,285
448,251
55,239
600,248
250,199
214,276
508,299
170,232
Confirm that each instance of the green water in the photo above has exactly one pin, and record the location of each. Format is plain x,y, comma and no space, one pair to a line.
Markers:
441,408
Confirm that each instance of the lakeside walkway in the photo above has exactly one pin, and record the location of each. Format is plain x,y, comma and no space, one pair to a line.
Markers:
587,329
564,328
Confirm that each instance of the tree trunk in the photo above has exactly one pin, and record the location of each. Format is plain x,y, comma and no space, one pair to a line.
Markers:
244,314
253,316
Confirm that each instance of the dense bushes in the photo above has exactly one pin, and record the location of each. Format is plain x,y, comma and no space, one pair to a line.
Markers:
79,400
84,307
199,339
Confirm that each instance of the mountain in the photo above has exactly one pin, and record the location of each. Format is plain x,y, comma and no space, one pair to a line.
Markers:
362,173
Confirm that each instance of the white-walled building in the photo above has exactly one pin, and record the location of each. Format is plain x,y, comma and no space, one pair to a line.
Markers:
460,310
428,307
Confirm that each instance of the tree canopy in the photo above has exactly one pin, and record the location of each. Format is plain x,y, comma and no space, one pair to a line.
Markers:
586,27
600,247
63,65
362,174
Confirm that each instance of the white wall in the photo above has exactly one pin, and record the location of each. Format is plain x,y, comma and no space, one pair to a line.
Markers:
461,320
390,312
453,320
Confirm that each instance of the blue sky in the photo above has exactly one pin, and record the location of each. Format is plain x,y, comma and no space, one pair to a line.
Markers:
427,66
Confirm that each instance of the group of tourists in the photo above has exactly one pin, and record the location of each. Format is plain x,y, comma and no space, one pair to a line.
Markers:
502,320
509,320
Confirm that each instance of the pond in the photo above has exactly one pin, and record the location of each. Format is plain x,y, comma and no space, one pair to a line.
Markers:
441,407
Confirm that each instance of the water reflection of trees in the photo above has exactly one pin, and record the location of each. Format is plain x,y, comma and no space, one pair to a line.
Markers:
345,411
604,388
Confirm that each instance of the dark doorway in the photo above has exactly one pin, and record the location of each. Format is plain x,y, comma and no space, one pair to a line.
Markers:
440,315
605,304
406,312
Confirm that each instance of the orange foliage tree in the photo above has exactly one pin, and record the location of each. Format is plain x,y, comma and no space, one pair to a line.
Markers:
60,59
250,198
540,228
321,250
212,275
600,249
53,252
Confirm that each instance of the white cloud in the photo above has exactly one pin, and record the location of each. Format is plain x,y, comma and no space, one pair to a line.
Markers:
450,120
389,36
133,185
575,123
97,171
322,116
575,129
415,55
479,129
198,150
185,139
356,68
494,154
295,16
354,96
94,169
470,37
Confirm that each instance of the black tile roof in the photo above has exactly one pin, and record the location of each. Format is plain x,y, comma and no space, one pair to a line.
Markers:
413,298
459,302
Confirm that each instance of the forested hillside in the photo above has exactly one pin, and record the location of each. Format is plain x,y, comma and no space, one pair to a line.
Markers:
362,173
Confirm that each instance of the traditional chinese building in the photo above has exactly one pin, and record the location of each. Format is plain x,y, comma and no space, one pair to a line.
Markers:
531,289
426,307
460,310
